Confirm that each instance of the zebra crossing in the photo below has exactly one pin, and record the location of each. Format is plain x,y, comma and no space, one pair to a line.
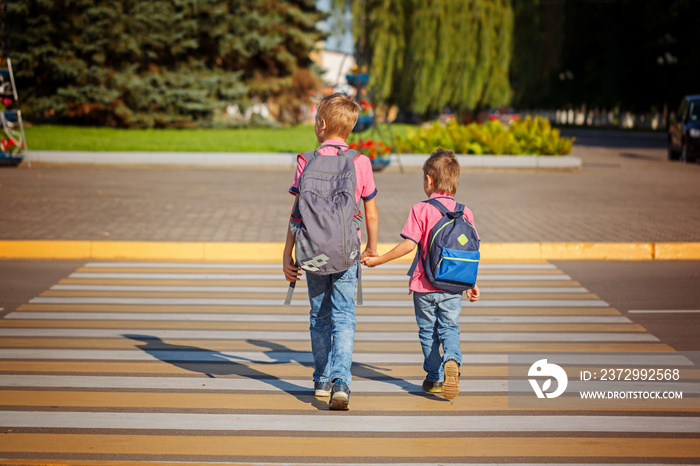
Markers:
200,363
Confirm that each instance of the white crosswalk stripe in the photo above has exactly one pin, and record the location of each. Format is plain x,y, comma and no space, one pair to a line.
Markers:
202,317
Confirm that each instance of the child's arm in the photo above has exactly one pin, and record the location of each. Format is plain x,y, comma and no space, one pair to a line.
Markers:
291,271
404,247
372,219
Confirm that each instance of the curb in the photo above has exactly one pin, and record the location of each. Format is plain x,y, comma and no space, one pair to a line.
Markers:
272,252
206,159
284,159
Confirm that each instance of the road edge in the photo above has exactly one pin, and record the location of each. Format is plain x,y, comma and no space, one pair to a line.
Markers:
272,252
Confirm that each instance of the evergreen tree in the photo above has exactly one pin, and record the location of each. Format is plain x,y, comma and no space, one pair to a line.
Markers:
424,56
159,62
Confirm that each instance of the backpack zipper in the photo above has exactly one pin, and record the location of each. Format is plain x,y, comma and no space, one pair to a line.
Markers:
345,249
455,259
436,233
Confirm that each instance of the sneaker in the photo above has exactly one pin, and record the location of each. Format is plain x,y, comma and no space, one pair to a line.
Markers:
340,395
432,387
450,388
322,389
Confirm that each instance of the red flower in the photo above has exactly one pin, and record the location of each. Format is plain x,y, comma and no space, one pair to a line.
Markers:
371,148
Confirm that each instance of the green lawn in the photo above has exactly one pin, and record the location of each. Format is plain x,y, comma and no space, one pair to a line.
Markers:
77,138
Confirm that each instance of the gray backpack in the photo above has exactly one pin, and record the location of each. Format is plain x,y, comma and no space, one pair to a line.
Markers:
327,219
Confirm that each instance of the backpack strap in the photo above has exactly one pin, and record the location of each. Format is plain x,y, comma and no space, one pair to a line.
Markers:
352,153
290,293
308,155
360,301
415,262
458,212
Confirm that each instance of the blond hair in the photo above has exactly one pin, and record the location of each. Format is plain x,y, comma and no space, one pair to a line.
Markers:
443,167
340,113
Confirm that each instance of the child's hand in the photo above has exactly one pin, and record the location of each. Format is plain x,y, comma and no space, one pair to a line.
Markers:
370,261
291,271
473,294
369,253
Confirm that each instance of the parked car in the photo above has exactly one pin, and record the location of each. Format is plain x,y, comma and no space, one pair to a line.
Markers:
684,131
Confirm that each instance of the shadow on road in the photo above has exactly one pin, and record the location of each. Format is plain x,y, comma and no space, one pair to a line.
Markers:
366,371
214,363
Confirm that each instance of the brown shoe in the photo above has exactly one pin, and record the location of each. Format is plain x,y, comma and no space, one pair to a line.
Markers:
450,388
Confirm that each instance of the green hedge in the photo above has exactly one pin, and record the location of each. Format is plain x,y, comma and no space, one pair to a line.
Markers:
523,137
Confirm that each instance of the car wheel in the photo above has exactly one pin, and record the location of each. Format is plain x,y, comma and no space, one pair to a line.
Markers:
672,155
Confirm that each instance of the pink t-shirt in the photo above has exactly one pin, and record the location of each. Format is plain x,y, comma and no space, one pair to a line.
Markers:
365,188
421,220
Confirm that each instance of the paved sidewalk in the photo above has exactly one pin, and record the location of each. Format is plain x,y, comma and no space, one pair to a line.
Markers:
627,192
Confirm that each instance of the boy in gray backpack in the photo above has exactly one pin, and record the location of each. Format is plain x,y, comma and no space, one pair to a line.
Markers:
324,234
437,311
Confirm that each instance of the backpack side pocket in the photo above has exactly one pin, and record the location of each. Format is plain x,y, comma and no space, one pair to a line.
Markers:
457,266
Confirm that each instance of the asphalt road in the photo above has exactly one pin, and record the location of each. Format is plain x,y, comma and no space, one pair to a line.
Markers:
186,362
659,286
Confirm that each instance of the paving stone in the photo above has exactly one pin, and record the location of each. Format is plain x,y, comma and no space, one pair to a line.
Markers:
623,193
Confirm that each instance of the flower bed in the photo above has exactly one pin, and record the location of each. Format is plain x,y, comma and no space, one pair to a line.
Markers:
523,137
12,143
377,152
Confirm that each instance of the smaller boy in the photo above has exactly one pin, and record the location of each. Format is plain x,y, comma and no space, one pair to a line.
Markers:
437,311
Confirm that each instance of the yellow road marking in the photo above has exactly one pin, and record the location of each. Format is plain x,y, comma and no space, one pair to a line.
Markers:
299,326
286,402
399,282
359,310
365,271
360,347
280,293
282,370
369,447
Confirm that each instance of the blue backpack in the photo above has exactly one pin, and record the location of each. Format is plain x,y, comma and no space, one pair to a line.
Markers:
452,261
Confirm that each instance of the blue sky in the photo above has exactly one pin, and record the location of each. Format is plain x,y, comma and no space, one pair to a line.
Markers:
344,43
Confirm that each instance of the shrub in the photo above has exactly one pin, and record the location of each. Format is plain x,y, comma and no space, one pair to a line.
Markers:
527,137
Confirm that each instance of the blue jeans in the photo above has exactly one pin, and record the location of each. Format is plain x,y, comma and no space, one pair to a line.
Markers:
437,315
332,319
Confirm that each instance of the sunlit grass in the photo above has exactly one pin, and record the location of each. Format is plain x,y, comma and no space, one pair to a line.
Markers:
287,139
